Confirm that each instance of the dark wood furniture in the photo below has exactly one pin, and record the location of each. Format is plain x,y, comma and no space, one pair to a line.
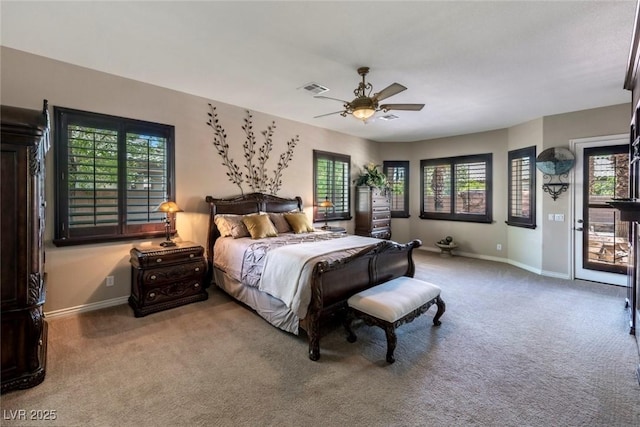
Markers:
631,211
25,141
379,306
332,283
166,277
373,212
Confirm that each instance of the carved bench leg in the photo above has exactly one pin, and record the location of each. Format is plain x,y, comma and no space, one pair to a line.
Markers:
441,308
390,331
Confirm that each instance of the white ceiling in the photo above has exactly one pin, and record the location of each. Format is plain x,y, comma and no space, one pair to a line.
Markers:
476,65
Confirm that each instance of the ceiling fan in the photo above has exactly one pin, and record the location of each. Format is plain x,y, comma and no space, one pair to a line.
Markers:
364,105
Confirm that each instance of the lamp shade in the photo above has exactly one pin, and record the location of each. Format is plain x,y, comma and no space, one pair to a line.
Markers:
326,203
363,113
168,207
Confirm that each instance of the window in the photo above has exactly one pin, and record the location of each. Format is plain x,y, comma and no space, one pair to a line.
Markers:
522,188
111,173
457,188
331,175
397,173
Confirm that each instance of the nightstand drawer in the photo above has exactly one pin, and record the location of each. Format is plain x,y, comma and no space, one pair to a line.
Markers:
179,289
157,276
154,257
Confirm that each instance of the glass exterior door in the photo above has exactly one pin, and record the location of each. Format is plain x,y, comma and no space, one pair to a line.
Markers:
606,239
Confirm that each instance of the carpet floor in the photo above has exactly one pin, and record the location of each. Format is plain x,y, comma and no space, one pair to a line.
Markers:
514,349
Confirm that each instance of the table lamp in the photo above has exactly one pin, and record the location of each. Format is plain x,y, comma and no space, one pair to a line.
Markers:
326,204
169,208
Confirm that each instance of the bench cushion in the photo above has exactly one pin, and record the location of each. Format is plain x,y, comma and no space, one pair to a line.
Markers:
394,299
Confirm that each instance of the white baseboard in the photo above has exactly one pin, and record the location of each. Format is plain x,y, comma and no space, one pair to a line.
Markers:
526,267
556,275
465,254
506,261
86,307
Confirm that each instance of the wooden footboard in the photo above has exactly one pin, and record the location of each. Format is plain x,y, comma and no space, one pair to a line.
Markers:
333,283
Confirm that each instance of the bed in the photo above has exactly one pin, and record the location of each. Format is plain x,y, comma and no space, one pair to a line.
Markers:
334,266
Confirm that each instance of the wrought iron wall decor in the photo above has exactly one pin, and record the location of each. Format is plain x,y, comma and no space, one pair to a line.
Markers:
555,164
255,168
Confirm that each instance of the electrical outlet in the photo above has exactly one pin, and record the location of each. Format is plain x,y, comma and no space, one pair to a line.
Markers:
109,281
499,247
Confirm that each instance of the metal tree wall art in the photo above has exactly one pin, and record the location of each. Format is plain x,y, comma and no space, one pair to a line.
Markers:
276,182
256,172
220,143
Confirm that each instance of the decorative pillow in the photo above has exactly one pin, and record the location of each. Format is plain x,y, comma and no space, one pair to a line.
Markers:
281,224
223,224
231,225
299,222
259,226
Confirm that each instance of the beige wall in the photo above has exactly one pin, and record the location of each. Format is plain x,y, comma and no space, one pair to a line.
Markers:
76,275
472,238
558,130
545,249
524,245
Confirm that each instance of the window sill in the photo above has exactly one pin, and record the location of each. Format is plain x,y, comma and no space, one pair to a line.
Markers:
75,241
521,225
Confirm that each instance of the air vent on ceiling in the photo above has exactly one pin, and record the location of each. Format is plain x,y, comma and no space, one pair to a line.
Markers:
389,117
314,88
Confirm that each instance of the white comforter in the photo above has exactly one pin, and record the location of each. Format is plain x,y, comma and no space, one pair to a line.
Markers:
287,270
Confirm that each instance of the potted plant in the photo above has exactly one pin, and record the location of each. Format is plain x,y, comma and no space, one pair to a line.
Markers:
372,177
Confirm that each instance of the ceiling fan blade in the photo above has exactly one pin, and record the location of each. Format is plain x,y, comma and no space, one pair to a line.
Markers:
329,114
388,91
333,99
408,107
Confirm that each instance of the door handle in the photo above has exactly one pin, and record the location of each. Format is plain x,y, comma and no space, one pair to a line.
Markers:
579,229
580,221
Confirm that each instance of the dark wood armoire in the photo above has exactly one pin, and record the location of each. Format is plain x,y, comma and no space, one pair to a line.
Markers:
630,210
25,141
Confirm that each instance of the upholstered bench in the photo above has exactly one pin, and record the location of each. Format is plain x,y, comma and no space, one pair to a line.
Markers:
392,304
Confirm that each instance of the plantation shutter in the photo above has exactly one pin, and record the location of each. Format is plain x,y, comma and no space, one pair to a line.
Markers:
146,177
471,188
457,188
92,179
397,173
437,188
112,173
331,182
521,201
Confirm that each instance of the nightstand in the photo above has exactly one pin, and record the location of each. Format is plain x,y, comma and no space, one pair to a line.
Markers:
166,277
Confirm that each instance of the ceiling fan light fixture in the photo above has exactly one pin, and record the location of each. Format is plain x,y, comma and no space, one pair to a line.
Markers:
363,113
364,106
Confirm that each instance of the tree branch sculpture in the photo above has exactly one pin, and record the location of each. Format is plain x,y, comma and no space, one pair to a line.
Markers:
256,172
276,182
220,142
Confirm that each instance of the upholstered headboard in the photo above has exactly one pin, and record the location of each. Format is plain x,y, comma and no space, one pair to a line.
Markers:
242,205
